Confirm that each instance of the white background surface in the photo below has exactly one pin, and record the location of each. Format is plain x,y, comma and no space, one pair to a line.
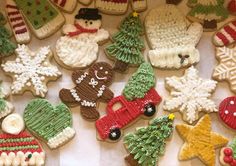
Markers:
84,149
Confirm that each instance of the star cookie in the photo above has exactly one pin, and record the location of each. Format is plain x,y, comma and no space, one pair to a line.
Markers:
189,95
200,141
31,70
226,69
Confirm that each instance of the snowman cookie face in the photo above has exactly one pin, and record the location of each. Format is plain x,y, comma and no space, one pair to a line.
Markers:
89,24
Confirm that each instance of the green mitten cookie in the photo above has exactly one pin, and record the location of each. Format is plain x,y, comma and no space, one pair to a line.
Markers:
53,124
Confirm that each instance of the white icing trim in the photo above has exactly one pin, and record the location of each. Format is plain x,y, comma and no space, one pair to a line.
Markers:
61,138
112,7
19,159
81,78
101,90
99,78
93,82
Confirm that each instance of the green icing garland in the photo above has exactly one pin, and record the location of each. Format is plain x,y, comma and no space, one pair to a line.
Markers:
140,82
45,120
17,148
38,12
128,45
147,144
233,146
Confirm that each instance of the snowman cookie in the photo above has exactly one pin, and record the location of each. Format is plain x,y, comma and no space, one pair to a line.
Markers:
90,87
79,47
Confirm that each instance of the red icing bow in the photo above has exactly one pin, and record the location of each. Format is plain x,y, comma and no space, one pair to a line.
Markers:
80,30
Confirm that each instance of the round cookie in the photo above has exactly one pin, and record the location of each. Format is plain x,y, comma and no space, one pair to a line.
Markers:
13,124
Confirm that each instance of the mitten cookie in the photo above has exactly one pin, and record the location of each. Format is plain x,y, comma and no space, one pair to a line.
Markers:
127,45
226,35
31,70
112,6
226,67
65,5
79,47
171,39
90,87
139,100
42,17
227,111
200,141
228,154
17,23
147,144
207,12
52,124
190,95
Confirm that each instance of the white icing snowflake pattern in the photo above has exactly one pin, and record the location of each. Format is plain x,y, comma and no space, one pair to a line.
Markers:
190,95
226,70
31,70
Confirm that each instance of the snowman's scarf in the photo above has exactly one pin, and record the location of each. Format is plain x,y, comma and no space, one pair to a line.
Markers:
80,30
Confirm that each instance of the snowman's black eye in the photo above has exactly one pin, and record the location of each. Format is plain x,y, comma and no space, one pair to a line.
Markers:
91,22
86,22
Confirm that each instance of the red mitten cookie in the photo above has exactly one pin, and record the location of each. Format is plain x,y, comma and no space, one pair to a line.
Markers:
90,87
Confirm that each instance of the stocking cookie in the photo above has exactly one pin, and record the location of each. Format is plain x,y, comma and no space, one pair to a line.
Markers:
112,6
42,17
85,2
171,39
52,124
17,23
90,87
207,12
227,111
200,141
226,67
31,70
79,47
129,51
228,154
190,95
65,5
139,100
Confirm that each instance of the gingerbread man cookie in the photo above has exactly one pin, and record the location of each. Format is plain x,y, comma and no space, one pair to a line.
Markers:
90,87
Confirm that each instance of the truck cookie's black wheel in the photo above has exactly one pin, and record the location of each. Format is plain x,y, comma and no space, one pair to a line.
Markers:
149,110
114,134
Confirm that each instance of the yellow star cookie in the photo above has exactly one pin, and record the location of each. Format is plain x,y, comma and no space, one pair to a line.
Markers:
200,141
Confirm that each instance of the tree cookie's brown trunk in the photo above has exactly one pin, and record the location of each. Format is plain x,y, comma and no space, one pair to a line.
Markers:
211,25
120,66
174,2
131,161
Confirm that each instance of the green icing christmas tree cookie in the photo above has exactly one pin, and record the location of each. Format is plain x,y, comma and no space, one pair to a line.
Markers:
127,44
140,82
52,124
2,19
208,12
147,144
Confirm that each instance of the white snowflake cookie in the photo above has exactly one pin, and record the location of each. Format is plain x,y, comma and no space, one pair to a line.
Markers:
31,70
190,95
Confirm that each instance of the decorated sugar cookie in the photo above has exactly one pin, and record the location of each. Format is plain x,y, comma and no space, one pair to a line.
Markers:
190,95
228,154
65,5
2,19
207,12
127,45
52,124
17,147
200,141
31,70
226,35
19,27
227,111
91,87
5,106
171,38
225,71
79,47
139,99
147,144
85,2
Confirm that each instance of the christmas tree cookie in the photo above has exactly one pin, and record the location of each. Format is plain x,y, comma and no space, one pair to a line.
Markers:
228,154
190,95
31,70
200,141
127,45
52,124
147,144
139,99
171,38
17,147
207,12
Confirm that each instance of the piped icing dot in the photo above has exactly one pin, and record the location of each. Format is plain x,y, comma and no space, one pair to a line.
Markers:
226,112
231,102
234,113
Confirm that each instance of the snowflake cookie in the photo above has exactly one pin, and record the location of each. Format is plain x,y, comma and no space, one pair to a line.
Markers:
31,70
190,95
226,69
